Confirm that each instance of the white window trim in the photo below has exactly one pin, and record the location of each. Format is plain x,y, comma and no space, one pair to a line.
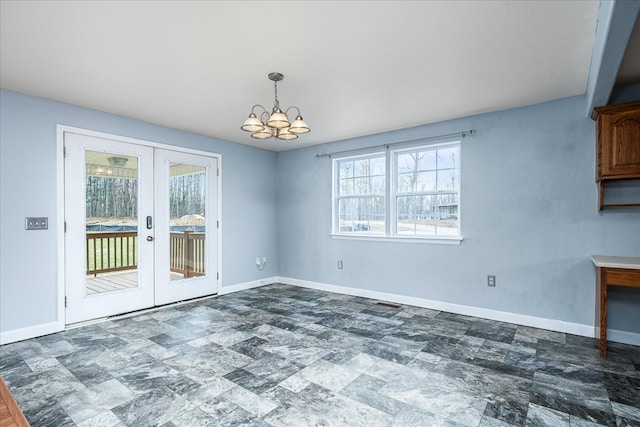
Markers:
390,195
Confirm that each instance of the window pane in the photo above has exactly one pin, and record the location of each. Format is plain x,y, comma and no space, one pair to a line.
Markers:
361,167
405,163
447,180
361,186
187,220
377,185
428,215
346,187
416,215
426,181
427,160
378,166
361,215
406,182
448,158
346,169
447,215
111,225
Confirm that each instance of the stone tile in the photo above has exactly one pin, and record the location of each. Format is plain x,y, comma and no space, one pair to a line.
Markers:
95,400
526,333
281,355
494,331
104,419
384,369
331,376
622,389
153,408
47,413
294,383
328,410
251,382
365,389
571,392
194,417
626,411
540,416
414,417
436,399
207,362
249,401
295,351
229,337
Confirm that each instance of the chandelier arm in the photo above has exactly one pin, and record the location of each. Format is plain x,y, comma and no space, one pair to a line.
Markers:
293,106
254,108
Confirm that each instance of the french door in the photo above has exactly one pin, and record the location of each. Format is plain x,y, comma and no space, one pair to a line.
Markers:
141,226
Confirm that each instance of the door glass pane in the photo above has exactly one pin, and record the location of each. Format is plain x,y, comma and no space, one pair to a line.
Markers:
187,220
111,210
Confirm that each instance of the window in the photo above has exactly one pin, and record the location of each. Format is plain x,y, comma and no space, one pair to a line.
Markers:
360,196
411,193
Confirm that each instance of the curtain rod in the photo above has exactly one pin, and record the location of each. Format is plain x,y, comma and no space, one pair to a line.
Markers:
462,134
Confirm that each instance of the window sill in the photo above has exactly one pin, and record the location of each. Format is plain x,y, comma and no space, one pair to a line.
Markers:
399,239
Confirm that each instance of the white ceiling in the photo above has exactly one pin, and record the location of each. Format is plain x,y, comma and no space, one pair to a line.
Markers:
353,67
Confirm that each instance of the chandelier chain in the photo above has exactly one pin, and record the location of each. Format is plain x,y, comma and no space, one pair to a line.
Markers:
276,103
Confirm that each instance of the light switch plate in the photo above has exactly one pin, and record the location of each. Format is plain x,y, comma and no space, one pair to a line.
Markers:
36,223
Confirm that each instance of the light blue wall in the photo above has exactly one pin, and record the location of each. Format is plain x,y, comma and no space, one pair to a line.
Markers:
529,216
28,265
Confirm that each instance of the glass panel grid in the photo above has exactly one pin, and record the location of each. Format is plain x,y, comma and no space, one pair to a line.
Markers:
360,201
427,192
425,184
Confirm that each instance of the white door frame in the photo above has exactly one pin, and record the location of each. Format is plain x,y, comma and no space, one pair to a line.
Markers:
60,212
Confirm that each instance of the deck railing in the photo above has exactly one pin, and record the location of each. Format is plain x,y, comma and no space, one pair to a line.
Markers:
116,251
187,253
111,251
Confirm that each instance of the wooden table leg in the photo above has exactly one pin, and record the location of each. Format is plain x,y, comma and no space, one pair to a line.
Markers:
601,310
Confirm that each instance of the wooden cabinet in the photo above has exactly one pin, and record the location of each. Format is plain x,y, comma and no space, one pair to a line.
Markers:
617,146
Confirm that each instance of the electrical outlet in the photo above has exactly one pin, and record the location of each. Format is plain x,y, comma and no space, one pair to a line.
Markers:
491,280
339,264
36,223
258,261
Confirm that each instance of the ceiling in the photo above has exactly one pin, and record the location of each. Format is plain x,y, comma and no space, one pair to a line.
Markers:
353,67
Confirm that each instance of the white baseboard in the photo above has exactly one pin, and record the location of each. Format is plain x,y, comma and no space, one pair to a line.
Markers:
15,335
502,316
248,285
7,337
623,337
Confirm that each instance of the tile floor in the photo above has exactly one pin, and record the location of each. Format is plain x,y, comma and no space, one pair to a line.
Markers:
287,356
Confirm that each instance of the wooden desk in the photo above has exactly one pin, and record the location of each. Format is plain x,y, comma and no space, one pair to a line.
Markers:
611,271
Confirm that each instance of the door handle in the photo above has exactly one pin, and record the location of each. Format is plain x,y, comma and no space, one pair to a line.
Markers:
149,223
149,238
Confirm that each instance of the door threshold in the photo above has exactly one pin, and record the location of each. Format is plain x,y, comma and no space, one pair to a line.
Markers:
120,316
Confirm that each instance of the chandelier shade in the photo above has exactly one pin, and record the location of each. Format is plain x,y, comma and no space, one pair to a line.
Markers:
299,126
278,120
277,124
252,124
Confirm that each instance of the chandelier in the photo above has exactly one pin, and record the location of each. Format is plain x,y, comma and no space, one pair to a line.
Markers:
276,124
